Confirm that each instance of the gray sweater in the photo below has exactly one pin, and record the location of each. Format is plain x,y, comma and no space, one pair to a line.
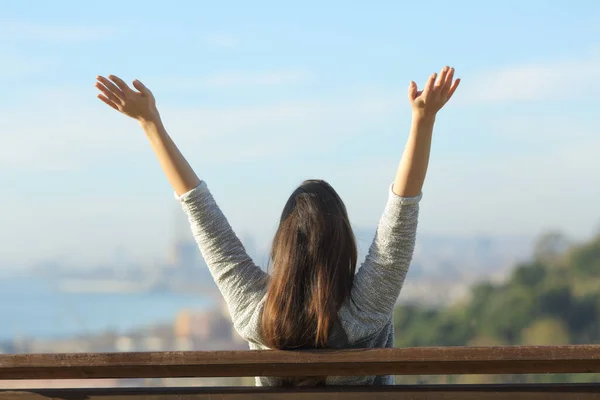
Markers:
365,319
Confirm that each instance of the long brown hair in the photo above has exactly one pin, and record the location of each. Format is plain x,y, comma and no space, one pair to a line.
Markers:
313,261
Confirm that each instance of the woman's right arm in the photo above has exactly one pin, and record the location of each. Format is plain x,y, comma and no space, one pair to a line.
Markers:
241,282
379,280
142,107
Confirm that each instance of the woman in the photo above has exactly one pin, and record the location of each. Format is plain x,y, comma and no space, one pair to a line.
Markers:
312,298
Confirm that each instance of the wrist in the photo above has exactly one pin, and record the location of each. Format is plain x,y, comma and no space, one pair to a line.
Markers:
150,121
421,116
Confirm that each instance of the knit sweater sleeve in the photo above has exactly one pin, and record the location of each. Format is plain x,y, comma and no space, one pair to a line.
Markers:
379,280
240,281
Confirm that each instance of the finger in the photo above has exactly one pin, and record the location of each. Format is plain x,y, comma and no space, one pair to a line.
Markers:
442,78
120,83
107,101
453,88
448,83
111,86
429,85
412,91
108,93
142,88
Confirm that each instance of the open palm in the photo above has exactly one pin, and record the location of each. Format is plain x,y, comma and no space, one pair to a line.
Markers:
139,104
436,93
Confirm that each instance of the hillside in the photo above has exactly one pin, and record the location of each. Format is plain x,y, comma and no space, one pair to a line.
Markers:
553,299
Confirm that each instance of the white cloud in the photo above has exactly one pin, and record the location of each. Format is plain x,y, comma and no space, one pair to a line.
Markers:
18,63
233,80
72,129
58,131
277,131
553,80
504,194
265,79
24,30
85,228
526,194
508,194
220,41
14,67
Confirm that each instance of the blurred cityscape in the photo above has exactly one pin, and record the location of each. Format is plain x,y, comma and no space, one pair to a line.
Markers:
174,304
442,271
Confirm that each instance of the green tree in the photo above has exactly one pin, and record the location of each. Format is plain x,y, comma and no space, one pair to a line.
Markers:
552,300
585,259
507,313
545,332
531,275
555,301
550,247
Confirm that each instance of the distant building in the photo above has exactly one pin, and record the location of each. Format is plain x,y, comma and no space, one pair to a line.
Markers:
184,255
124,344
206,326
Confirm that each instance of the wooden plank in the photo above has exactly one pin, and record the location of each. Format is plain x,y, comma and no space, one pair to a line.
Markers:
446,392
407,361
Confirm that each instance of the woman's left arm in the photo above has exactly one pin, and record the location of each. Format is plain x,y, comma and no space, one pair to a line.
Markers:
241,282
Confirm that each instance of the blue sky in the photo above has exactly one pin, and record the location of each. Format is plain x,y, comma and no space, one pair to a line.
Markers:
260,95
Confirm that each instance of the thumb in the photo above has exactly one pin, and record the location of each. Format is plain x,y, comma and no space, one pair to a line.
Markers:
412,90
142,88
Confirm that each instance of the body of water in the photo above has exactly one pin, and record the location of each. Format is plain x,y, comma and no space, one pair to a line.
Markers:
33,307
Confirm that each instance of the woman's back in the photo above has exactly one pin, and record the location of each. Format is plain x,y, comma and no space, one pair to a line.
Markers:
365,318
339,340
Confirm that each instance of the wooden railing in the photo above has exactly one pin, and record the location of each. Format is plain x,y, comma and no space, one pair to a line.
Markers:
408,361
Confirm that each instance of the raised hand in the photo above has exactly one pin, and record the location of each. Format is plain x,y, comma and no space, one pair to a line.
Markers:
438,90
139,104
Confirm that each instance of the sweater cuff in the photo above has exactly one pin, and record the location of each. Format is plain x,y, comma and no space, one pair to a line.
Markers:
404,200
195,192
